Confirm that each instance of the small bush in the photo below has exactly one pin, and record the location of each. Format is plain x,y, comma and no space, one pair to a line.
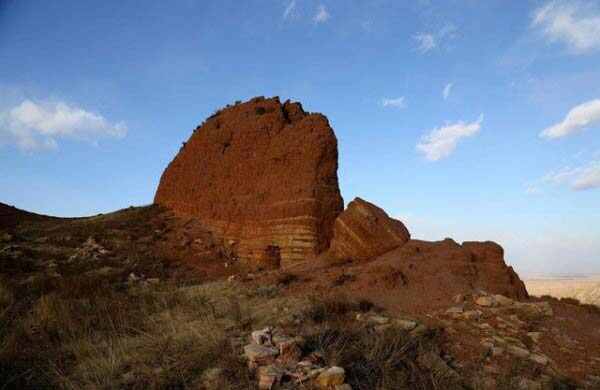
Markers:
260,111
329,309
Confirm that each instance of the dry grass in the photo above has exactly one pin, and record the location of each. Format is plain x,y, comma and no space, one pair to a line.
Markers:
393,359
163,337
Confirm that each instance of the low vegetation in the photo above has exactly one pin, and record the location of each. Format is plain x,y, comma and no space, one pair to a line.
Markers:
100,336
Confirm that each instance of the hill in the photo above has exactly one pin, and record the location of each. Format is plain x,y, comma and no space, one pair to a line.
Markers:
217,286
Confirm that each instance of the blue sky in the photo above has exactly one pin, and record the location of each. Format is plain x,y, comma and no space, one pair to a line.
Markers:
465,119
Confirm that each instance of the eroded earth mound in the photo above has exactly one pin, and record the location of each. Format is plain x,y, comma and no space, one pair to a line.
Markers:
263,175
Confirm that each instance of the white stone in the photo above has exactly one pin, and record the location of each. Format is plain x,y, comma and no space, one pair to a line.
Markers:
517,351
501,300
260,353
539,359
405,324
331,377
379,320
485,301
263,336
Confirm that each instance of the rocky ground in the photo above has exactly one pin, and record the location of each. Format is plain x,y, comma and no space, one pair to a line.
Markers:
143,299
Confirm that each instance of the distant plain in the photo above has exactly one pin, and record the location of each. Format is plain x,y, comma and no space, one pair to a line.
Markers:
585,289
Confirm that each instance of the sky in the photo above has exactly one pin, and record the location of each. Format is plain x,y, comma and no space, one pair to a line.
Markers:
476,120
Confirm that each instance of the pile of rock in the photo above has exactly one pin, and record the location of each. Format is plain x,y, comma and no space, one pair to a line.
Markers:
504,327
278,362
90,250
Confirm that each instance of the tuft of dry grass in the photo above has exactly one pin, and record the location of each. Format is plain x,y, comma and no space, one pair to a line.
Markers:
392,359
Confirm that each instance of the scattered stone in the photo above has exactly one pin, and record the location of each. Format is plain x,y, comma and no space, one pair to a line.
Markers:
382,328
491,369
90,250
5,237
269,376
485,301
232,278
514,341
459,298
501,300
331,377
539,359
262,337
102,271
379,320
518,351
535,309
472,315
535,336
455,310
405,324
419,330
260,355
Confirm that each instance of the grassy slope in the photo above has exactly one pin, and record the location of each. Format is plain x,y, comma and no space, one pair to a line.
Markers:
79,322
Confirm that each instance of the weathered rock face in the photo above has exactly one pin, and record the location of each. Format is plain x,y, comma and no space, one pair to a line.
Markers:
263,175
364,231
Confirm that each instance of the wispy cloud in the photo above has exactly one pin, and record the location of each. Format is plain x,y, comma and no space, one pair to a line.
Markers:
581,178
322,14
577,119
290,9
442,141
427,41
398,103
447,90
574,23
38,125
533,189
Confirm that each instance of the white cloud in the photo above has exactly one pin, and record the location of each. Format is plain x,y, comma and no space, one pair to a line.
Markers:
430,40
322,15
447,90
574,23
441,142
533,189
33,126
289,9
585,177
578,118
398,103
426,42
